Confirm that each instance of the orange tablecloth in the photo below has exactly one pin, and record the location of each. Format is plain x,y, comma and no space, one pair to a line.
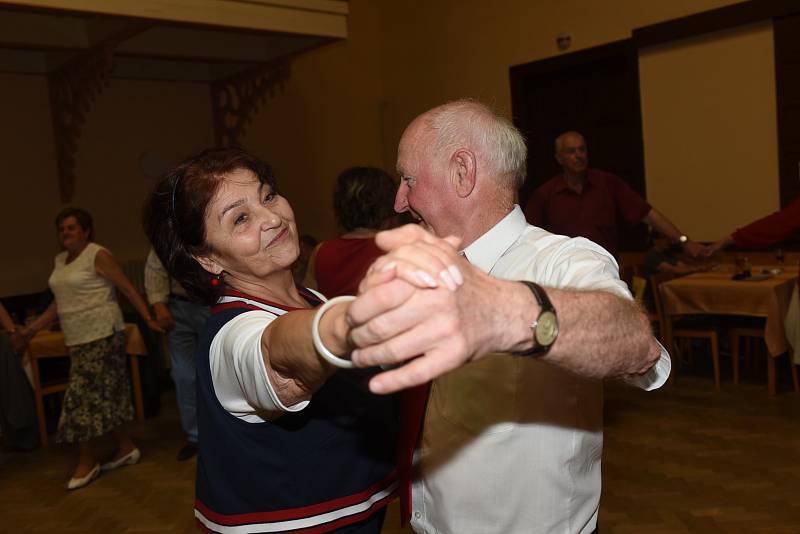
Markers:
49,343
715,293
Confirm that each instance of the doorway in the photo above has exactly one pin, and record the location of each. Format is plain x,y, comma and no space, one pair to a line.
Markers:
595,92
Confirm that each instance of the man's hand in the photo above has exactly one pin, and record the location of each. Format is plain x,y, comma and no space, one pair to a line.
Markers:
163,317
694,249
19,341
428,330
717,246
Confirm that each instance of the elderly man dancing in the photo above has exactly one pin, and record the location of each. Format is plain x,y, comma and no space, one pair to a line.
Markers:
511,442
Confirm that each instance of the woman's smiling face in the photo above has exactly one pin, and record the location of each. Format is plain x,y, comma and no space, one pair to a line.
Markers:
250,230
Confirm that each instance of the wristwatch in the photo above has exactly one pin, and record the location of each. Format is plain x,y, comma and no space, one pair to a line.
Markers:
545,327
683,239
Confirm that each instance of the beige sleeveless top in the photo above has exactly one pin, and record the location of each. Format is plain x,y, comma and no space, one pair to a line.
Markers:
87,302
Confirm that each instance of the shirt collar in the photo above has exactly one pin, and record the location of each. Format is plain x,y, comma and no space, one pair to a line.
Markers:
490,247
562,182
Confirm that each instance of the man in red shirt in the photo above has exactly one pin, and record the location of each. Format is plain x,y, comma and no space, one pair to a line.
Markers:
589,203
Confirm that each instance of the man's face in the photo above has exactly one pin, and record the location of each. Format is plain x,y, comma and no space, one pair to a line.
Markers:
423,180
573,156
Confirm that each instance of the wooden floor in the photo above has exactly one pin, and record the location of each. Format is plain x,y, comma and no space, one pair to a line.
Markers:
683,459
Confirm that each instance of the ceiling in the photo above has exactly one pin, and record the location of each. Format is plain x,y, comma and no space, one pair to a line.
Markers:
38,41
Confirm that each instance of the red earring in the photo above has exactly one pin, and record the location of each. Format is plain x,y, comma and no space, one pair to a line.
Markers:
217,280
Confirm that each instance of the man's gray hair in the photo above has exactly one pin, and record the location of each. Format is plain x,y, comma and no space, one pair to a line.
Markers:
471,124
560,139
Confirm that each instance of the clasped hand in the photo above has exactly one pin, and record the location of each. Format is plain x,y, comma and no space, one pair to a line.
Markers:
416,311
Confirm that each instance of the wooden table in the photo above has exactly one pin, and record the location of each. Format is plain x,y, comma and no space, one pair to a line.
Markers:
50,344
714,292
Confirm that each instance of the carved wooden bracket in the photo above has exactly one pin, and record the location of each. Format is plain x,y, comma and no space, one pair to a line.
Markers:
236,100
73,89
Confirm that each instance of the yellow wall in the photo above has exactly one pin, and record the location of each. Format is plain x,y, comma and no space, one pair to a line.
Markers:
420,54
327,119
29,197
128,118
710,131
347,103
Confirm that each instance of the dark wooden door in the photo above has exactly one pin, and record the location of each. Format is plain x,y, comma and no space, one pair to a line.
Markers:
595,92
786,32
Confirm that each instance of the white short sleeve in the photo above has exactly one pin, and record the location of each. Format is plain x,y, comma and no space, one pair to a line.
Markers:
656,376
238,372
585,265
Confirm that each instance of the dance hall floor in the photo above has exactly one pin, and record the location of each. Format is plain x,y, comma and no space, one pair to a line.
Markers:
684,459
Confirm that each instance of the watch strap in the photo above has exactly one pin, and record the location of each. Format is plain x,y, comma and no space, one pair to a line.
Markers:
544,306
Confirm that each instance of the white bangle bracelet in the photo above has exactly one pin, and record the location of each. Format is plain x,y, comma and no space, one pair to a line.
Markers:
322,350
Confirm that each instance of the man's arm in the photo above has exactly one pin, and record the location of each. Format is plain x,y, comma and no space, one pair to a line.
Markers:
770,230
106,266
601,334
5,320
665,227
156,285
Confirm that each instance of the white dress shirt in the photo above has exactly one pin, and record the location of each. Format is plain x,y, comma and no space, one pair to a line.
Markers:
513,444
158,285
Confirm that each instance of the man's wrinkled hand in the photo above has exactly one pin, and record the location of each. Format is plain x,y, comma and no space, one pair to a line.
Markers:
419,330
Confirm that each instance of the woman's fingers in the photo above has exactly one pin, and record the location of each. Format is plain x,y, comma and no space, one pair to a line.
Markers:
421,264
413,233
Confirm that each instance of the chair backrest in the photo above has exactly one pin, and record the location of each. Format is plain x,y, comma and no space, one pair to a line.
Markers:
626,274
655,286
638,288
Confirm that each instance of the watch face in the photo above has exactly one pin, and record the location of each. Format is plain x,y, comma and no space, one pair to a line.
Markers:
546,329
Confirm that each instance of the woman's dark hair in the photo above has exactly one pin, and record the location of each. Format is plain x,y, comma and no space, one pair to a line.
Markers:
174,214
83,217
363,198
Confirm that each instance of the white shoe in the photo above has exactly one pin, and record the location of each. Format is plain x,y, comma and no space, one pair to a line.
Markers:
75,483
129,459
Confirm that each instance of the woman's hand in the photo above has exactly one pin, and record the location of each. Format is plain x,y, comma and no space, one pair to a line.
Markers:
416,256
153,325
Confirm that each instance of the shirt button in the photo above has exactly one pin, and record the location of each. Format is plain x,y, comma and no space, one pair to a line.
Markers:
417,515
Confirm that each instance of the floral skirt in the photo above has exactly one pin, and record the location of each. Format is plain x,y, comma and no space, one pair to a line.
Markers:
98,396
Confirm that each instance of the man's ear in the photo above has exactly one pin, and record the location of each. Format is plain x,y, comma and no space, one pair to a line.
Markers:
209,264
464,169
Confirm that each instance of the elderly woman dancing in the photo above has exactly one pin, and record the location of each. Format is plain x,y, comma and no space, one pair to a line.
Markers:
285,443
98,399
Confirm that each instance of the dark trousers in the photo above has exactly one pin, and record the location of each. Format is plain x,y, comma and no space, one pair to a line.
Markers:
17,409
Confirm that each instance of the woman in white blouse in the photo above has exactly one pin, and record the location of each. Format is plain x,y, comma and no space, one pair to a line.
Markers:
285,442
97,400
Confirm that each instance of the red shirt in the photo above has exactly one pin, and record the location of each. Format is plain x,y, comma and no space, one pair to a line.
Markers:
772,229
341,263
593,213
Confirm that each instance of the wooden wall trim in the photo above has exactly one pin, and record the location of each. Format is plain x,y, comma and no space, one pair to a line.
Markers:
579,57
722,18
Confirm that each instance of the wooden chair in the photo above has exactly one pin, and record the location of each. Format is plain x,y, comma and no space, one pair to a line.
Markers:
639,288
737,334
57,385
626,273
673,328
